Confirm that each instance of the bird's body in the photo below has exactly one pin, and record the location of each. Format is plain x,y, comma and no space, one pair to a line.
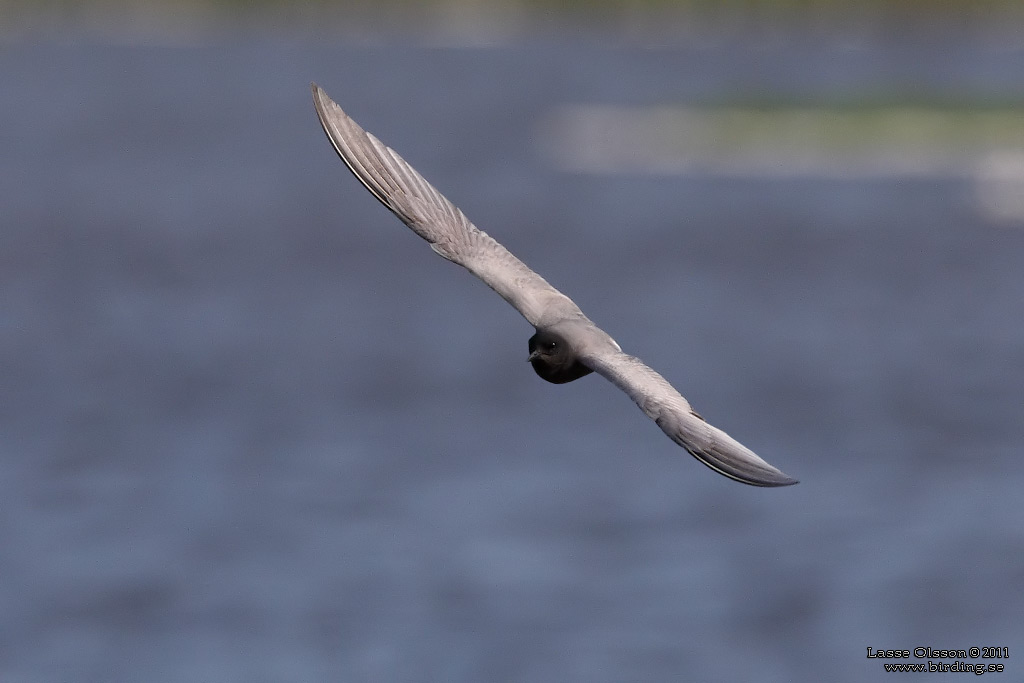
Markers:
567,345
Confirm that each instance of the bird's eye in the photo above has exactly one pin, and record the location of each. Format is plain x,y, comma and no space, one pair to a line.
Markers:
552,345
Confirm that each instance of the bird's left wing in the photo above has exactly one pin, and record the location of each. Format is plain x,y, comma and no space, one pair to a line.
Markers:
666,406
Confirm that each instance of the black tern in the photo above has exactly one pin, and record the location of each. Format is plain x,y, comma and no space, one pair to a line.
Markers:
567,345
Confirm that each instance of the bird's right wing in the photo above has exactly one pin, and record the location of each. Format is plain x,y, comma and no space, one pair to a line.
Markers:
666,406
431,216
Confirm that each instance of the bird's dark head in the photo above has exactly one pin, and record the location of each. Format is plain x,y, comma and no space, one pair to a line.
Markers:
553,358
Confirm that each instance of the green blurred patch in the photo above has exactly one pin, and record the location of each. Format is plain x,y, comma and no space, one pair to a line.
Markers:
819,140
749,13
853,127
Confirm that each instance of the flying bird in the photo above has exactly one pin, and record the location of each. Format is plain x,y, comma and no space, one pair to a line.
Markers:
566,345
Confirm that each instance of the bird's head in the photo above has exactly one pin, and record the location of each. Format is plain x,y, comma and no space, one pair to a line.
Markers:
553,358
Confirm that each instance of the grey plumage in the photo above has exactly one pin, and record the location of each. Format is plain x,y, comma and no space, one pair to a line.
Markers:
567,344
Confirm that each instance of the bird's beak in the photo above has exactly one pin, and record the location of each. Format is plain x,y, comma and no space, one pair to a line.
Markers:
533,355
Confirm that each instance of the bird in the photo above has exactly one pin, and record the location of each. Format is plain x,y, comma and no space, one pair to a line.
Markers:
566,345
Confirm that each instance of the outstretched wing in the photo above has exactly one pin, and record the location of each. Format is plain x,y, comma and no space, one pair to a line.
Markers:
431,216
663,404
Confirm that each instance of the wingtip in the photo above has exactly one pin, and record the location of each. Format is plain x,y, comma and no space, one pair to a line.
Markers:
743,466
328,111
782,480
318,93
321,100
773,479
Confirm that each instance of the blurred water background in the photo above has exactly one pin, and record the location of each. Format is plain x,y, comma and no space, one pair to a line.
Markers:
253,429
